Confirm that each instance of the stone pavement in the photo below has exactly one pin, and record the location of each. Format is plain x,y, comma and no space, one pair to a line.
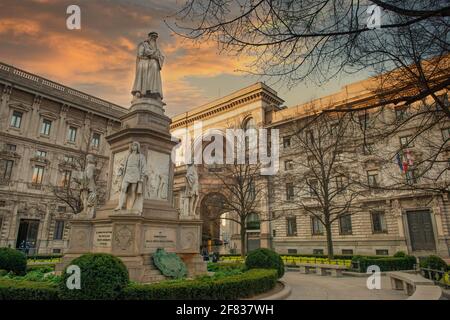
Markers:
314,287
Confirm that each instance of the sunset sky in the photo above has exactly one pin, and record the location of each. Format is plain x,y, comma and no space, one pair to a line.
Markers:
100,58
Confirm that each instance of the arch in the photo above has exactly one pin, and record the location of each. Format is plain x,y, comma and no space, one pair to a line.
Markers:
211,208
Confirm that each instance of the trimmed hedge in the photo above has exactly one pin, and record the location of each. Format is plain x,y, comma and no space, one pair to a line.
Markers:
213,267
13,260
27,290
386,264
434,262
265,259
243,285
103,276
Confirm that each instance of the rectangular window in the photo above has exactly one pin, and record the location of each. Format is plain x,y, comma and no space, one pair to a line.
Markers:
345,224
406,142
372,179
340,183
334,128
348,252
286,142
382,252
411,176
338,155
310,137
16,119
317,226
1,222
46,126
368,148
61,209
292,251
95,143
274,233
318,251
291,226
6,167
313,187
288,165
400,114
379,222
56,251
445,134
59,230
289,191
11,147
69,159
65,181
41,154
38,174
72,134
364,121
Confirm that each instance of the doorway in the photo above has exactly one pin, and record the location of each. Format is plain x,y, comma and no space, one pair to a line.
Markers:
421,232
27,236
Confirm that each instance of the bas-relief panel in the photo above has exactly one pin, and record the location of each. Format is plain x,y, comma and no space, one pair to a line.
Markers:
158,169
116,180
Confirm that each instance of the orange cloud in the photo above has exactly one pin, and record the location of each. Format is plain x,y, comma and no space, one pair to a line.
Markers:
18,27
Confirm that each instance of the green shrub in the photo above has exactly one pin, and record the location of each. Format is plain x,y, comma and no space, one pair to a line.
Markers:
27,290
238,286
3,272
265,259
13,260
103,277
385,263
433,262
400,254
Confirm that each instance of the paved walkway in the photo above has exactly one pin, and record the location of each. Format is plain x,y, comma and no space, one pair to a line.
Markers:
314,287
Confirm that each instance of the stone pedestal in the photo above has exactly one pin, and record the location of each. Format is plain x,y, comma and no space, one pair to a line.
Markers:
131,235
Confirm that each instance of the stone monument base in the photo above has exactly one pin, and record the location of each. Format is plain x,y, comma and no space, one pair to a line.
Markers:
133,239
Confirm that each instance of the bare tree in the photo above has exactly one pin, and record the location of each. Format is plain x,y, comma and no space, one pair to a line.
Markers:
320,176
315,40
243,188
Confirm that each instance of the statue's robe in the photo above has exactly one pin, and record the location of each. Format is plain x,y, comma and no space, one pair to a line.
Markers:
148,70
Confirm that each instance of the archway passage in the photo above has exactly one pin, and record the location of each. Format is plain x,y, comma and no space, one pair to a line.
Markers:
211,208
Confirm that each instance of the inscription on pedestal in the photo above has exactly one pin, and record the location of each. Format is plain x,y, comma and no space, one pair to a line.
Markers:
160,238
103,237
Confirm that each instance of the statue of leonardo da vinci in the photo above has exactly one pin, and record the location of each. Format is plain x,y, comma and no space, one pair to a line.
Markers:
149,61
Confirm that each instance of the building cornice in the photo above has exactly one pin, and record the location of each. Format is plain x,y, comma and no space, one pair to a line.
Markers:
17,78
258,91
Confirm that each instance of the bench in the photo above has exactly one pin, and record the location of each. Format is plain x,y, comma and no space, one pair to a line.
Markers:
408,281
426,293
322,269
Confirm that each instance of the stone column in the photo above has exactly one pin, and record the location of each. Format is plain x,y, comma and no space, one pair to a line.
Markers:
34,128
4,110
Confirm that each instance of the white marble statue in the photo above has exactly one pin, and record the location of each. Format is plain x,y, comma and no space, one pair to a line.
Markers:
133,173
149,62
192,189
88,187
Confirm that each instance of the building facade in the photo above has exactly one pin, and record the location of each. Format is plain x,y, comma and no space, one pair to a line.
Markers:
45,130
390,218
46,127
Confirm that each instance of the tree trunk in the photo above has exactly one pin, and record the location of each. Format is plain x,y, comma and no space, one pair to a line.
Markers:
329,241
243,242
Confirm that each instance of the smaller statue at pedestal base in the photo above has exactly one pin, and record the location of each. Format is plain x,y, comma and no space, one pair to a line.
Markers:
133,172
